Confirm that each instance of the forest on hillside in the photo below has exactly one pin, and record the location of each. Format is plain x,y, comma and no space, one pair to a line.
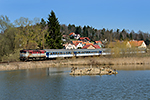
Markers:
41,34
102,34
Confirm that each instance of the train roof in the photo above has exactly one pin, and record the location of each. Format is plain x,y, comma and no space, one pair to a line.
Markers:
67,50
32,50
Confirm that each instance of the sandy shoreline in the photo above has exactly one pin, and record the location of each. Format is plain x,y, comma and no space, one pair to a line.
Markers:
141,63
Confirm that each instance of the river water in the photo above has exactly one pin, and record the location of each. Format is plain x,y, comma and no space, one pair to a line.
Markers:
57,84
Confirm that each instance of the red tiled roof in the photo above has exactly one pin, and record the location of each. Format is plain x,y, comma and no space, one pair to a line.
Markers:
136,43
98,41
71,33
74,42
88,43
97,46
86,46
82,38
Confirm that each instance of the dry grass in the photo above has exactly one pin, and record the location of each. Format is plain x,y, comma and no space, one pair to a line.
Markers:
141,59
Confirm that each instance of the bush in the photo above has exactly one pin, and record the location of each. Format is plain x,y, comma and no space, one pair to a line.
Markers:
11,57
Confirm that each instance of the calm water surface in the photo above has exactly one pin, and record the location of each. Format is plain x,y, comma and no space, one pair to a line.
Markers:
57,84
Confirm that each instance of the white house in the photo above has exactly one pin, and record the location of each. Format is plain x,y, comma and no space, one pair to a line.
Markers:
138,44
69,46
78,45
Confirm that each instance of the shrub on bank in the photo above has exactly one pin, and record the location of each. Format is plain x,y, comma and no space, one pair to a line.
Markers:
11,57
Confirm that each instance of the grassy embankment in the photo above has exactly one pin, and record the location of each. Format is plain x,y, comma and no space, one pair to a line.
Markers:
114,60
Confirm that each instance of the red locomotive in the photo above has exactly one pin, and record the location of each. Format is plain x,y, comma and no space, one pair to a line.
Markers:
32,54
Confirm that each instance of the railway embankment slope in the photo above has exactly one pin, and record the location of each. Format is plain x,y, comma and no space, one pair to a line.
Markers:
79,62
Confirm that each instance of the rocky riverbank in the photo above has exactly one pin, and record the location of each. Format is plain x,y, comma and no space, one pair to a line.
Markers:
80,62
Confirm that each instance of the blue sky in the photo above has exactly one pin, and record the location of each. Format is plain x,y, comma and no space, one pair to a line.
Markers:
109,14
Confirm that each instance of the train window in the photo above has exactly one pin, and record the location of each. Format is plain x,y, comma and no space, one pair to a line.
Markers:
54,53
31,52
22,51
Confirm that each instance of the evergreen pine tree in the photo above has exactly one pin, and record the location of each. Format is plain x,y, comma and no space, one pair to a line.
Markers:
121,37
54,37
131,36
43,23
128,36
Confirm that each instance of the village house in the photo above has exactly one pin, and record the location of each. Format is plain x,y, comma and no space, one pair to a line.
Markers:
75,36
137,44
69,46
90,46
86,43
84,39
74,42
72,34
78,45
99,43
97,46
64,38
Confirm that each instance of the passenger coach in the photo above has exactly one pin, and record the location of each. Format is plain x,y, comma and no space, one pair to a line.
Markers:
55,53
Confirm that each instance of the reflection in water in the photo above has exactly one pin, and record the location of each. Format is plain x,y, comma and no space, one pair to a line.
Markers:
57,84
132,67
119,67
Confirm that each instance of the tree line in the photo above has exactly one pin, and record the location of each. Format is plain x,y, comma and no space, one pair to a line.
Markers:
102,34
47,34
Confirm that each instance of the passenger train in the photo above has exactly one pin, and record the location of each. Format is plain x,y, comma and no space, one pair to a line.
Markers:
56,53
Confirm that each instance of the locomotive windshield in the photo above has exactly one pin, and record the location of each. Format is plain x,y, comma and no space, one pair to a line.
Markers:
22,51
